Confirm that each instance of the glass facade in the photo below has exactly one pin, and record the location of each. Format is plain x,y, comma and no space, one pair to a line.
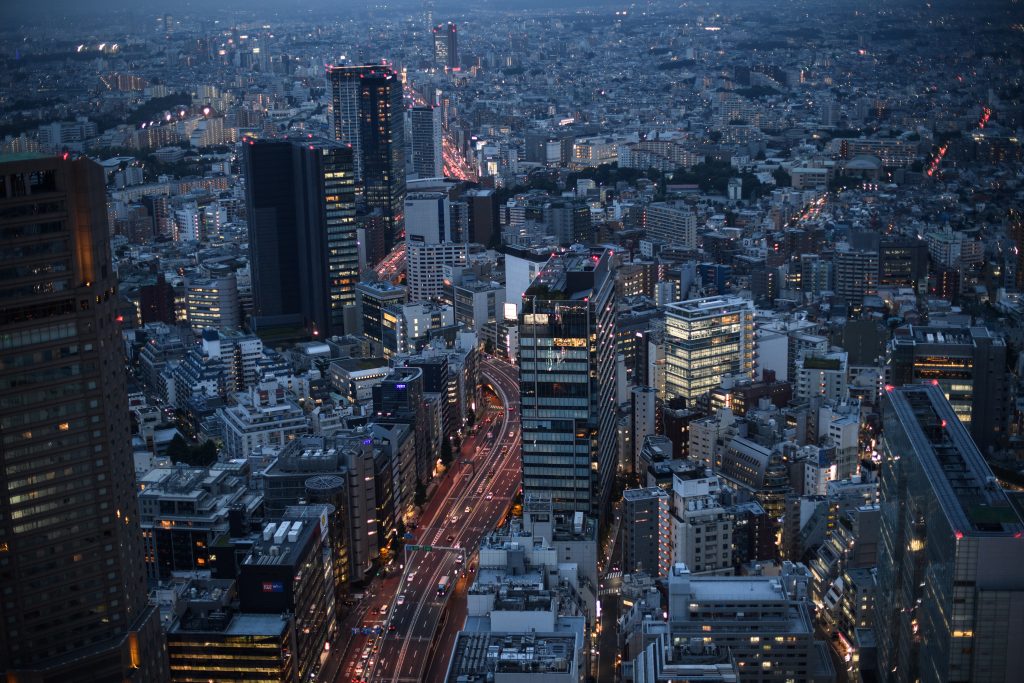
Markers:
949,589
706,339
74,599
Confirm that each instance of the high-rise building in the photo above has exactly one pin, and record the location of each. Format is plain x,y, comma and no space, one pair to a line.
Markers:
567,382
303,245
371,300
369,115
950,601
213,302
706,339
426,131
446,46
647,531
970,367
674,224
74,604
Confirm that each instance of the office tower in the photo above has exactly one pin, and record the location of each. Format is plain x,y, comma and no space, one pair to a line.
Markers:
950,603
371,300
428,218
302,233
446,46
289,573
75,602
903,262
647,531
766,622
567,382
369,115
213,303
427,153
569,222
706,339
424,268
969,364
483,215
399,398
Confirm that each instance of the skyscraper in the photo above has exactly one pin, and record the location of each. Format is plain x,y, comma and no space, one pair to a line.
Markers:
950,603
302,233
567,382
369,114
446,46
970,367
706,339
427,159
74,603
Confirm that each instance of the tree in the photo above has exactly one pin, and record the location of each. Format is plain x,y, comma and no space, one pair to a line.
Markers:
782,178
421,493
488,346
178,449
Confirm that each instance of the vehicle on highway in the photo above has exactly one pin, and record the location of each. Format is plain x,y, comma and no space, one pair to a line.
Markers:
489,496
459,560
383,609
442,585
451,538
468,509
401,599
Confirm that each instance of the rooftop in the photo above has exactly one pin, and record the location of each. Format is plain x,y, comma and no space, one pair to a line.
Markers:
960,478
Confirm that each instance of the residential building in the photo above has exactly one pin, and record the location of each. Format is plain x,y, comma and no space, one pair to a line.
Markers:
647,531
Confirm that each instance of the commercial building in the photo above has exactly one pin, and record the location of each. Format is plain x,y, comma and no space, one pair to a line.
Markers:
425,268
213,303
371,300
209,639
369,115
567,382
427,148
183,510
304,254
702,527
75,602
764,621
446,46
262,416
647,531
968,364
706,339
950,552
289,572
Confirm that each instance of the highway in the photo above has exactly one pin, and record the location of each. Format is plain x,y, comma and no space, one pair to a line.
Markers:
473,499
392,266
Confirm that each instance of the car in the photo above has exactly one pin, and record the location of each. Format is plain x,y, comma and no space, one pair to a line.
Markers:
511,434
451,538
383,609
392,628
468,510
412,575
489,496
401,599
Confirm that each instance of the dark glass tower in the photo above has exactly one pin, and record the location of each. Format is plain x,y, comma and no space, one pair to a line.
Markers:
302,233
73,598
567,383
369,114
446,45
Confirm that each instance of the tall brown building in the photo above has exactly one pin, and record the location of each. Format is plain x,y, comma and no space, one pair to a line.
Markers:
73,598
